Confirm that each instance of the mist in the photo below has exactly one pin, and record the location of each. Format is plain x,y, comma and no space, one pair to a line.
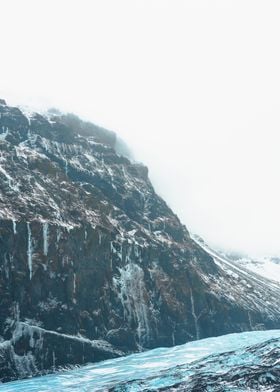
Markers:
191,86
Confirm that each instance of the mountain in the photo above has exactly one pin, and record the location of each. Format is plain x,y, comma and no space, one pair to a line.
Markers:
93,263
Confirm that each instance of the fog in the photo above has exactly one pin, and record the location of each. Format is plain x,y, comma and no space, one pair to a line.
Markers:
193,87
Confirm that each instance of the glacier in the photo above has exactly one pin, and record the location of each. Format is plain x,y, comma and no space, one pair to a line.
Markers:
164,368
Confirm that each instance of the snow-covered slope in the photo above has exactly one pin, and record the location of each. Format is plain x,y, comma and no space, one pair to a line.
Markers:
244,360
242,273
265,266
268,267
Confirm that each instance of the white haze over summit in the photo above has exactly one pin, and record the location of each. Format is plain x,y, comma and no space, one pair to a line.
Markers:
192,86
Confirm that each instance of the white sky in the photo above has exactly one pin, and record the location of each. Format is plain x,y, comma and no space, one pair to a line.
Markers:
192,86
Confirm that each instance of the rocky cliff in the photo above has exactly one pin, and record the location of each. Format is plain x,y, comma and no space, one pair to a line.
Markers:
93,263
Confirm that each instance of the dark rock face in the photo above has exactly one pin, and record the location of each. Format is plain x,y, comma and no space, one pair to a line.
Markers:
93,263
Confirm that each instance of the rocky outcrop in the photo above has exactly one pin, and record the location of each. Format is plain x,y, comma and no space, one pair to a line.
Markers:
90,253
19,355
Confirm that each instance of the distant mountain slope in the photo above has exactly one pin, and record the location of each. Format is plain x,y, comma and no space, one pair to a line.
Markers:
268,267
265,266
93,263
241,274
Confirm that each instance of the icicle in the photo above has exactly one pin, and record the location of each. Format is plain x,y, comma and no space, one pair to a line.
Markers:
74,288
112,249
17,312
45,237
29,249
173,338
250,321
195,316
53,359
14,226
74,283
66,167
132,292
7,272
58,235
4,133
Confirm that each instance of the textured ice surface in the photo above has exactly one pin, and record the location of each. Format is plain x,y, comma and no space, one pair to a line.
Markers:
106,374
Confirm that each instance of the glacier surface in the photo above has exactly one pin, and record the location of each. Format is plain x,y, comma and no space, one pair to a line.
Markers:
154,369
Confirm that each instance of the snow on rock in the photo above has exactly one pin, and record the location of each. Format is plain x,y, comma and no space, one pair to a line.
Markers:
130,287
38,359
